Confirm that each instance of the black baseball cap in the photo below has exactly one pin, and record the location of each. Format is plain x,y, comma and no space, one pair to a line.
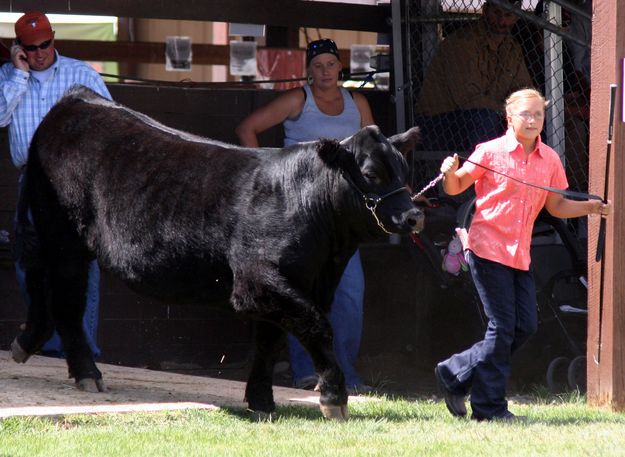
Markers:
325,46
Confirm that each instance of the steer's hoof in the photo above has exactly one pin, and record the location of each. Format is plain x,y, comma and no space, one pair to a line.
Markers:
261,416
91,385
18,354
335,412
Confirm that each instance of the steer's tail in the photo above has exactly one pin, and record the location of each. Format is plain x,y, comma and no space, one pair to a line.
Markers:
27,249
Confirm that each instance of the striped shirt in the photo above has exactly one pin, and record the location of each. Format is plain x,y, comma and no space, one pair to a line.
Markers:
24,100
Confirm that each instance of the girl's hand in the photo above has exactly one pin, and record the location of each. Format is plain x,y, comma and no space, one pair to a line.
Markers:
450,164
602,208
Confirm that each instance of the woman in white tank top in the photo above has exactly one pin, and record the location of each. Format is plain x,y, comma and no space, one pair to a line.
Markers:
328,98
323,109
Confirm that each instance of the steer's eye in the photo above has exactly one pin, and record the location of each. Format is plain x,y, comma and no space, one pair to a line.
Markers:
371,177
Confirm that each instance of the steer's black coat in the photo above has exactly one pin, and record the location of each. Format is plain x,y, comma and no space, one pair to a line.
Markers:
181,217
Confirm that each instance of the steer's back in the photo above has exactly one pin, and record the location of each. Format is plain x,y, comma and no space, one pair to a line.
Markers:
145,198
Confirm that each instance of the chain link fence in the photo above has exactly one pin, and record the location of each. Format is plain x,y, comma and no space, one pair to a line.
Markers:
462,58
453,62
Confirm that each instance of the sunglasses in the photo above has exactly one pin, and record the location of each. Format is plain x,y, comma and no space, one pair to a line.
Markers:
34,47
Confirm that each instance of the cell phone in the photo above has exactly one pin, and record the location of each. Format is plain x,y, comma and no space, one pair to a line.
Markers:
17,42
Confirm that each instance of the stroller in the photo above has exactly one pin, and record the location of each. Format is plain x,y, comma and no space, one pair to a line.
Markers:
562,303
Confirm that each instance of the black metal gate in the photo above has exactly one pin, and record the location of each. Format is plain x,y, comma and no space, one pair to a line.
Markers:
553,38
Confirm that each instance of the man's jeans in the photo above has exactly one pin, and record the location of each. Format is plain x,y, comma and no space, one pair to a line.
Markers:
90,320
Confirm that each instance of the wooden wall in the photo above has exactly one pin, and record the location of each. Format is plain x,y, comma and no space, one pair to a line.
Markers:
8,184
410,321
215,33
138,331
606,299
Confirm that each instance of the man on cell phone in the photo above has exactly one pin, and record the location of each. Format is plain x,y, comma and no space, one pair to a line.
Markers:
34,80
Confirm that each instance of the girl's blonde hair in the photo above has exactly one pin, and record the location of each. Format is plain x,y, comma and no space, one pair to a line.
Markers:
523,94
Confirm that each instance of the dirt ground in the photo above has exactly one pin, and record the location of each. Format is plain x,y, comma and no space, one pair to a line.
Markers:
41,387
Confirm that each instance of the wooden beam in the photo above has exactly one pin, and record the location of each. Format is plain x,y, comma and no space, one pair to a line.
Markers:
138,52
287,13
606,311
146,52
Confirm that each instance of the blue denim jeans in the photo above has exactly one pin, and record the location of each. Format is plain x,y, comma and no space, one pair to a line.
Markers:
90,320
346,316
508,296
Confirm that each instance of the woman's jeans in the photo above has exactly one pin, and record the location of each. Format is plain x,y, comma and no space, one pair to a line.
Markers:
346,317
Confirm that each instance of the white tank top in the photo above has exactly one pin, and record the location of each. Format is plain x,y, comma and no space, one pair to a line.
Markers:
312,124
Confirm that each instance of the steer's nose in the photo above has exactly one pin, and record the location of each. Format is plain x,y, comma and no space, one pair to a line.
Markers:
414,219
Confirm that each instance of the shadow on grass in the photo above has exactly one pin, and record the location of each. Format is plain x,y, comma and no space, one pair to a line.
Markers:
556,411
386,412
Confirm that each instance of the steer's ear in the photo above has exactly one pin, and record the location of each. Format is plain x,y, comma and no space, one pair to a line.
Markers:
407,141
329,151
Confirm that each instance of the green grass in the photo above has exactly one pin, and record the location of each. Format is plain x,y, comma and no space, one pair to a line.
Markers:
380,427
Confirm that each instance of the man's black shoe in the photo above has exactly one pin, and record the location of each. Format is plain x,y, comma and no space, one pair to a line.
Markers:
455,403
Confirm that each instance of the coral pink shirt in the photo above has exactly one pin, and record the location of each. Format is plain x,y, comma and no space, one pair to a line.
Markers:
505,209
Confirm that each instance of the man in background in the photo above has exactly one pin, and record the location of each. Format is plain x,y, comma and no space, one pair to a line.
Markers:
475,68
34,80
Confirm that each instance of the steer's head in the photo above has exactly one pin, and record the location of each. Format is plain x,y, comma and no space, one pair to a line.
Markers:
376,172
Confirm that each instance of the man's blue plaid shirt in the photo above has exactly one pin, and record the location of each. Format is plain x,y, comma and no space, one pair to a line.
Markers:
24,101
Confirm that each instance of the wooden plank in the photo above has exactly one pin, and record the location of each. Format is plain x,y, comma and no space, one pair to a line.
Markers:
8,197
6,223
8,173
62,411
214,113
210,113
606,311
197,101
12,306
139,52
148,52
155,341
275,12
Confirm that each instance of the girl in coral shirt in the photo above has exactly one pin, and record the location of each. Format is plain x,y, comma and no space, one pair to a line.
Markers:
498,246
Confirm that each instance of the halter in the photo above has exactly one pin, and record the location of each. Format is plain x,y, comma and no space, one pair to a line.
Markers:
372,200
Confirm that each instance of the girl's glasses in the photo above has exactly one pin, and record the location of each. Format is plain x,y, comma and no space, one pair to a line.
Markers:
526,115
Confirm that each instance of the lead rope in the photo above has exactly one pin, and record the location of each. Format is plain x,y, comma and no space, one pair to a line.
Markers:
566,193
431,184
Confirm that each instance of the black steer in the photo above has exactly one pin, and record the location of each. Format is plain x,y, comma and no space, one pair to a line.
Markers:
185,218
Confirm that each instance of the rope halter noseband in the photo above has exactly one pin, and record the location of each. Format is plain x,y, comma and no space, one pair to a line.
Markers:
372,200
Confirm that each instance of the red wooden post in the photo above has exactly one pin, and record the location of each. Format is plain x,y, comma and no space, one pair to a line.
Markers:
606,317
